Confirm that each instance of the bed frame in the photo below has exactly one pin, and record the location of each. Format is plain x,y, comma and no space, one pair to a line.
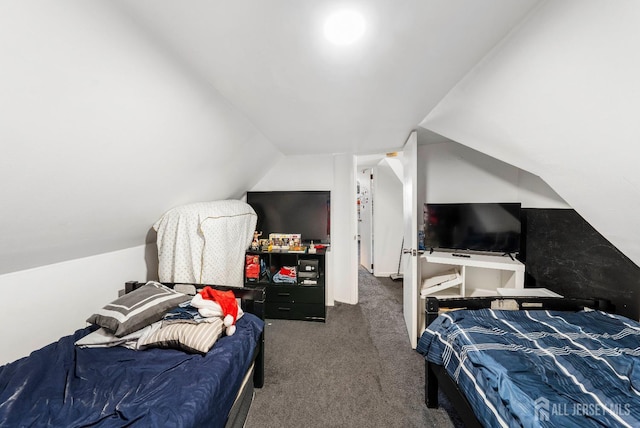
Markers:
435,376
253,302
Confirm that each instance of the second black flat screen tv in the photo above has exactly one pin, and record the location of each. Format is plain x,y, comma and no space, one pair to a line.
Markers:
304,212
493,227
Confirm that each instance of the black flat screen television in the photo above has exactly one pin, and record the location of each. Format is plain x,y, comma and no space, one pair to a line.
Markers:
492,227
304,212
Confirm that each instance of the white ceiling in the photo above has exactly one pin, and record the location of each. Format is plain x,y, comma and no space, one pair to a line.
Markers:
270,60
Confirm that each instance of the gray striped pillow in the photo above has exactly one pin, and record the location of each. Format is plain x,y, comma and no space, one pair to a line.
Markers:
137,309
194,338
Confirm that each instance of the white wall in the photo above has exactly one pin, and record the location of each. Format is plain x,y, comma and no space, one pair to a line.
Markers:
344,229
103,130
455,173
559,98
40,305
308,172
533,192
336,173
387,219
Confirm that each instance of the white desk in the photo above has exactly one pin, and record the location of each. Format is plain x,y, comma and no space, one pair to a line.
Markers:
511,272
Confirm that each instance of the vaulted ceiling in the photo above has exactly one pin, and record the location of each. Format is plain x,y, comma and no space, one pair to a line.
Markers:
113,111
307,95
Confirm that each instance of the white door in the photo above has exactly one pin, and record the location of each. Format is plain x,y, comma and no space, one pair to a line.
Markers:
410,249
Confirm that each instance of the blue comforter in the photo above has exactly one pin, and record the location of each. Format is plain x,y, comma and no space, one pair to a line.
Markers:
65,386
541,368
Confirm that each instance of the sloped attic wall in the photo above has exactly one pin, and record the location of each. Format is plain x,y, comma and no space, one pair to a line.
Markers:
102,131
559,98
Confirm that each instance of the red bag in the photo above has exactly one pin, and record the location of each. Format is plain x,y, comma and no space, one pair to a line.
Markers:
252,267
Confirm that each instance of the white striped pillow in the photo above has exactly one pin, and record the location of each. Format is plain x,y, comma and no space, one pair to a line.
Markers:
194,338
137,309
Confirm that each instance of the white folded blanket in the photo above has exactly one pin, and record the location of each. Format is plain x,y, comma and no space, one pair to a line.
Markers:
455,281
440,278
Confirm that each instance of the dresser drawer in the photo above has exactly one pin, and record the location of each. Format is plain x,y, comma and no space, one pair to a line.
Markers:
295,311
295,294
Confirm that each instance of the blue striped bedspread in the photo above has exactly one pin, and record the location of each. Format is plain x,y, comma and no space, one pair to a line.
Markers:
541,368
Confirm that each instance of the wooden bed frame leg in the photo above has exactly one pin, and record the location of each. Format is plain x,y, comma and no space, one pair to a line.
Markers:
430,386
432,310
258,371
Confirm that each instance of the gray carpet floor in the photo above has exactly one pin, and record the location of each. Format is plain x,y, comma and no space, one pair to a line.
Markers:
355,370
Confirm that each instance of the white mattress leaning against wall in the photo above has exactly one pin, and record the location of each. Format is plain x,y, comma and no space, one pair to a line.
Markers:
205,242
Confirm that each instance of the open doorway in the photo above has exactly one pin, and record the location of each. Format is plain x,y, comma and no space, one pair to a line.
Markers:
365,218
380,216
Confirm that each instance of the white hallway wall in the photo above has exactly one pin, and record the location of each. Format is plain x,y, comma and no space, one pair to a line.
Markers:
384,221
387,219
344,230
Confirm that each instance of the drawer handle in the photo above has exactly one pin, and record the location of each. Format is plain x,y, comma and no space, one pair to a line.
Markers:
284,309
284,294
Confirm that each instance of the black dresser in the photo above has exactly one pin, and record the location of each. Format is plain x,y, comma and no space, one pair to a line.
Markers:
287,297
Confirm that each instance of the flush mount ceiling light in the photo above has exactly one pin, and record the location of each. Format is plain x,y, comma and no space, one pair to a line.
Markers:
344,27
